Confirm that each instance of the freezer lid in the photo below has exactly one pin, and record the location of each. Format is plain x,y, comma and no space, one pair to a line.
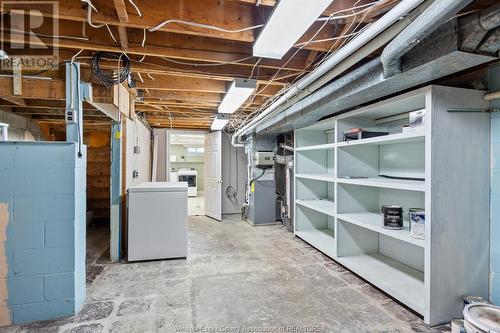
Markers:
159,187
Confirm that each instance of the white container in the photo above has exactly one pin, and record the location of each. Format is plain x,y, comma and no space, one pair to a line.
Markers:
482,318
157,221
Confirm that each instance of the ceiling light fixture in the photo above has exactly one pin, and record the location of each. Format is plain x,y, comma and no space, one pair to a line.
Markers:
288,22
219,122
238,93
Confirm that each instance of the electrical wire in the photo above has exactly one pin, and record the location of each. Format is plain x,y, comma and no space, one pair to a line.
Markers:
207,64
114,78
48,36
335,17
91,7
140,77
253,68
136,7
111,34
201,25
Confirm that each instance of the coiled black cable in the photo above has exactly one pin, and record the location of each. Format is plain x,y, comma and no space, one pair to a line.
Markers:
110,78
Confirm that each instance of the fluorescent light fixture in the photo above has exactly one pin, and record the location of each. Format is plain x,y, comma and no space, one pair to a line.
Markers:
220,121
288,22
3,55
237,94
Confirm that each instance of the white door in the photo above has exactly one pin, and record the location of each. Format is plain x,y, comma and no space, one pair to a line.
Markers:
213,175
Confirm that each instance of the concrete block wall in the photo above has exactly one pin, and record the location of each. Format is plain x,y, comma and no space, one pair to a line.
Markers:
21,128
494,77
42,230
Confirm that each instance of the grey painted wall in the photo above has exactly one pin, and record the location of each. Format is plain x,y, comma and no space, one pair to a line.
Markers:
138,134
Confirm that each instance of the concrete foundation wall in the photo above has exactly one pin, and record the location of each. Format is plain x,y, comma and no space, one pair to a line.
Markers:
42,230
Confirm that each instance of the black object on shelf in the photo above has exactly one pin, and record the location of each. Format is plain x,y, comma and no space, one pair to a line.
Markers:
402,178
359,133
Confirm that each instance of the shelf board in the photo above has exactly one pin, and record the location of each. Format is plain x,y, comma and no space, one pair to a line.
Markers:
323,206
325,146
323,177
412,136
374,222
399,184
395,278
322,239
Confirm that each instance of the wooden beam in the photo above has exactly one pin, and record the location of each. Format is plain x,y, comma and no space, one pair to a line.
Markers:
48,89
122,34
15,100
222,14
195,49
34,89
173,83
121,11
184,96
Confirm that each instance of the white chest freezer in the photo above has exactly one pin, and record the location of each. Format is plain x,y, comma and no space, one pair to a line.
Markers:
157,221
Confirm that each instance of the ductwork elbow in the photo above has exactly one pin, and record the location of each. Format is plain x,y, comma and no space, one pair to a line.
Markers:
433,17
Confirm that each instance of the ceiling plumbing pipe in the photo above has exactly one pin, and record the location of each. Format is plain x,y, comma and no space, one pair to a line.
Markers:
432,18
400,10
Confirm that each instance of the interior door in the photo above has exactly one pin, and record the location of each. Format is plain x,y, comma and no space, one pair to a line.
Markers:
213,175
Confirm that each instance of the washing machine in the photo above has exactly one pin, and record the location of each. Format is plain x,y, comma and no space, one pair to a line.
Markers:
190,177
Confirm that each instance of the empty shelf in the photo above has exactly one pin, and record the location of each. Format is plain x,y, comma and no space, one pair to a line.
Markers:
322,239
323,177
323,206
399,184
412,136
395,278
374,222
317,147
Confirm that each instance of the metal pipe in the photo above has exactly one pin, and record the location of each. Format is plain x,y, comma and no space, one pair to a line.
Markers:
371,32
4,132
490,18
492,96
432,18
474,28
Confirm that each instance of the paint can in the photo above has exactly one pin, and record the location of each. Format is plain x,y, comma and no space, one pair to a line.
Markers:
393,217
474,299
481,318
416,216
457,326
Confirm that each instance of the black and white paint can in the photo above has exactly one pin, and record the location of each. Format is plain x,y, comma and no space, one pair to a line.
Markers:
393,217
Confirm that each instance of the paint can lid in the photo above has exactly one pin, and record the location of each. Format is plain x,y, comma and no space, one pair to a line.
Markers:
483,316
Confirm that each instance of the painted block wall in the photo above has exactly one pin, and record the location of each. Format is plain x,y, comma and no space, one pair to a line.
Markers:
20,128
42,230
494,77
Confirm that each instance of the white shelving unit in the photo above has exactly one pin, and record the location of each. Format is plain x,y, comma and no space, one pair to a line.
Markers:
441,167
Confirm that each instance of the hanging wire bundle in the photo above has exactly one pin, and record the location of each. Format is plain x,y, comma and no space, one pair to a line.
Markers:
107,77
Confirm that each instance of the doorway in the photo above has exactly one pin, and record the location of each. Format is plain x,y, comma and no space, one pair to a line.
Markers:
186,163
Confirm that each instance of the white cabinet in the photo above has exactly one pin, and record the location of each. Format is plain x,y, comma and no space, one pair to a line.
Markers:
157,221
441,167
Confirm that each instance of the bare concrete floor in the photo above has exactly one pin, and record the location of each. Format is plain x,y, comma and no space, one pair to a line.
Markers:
235,277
